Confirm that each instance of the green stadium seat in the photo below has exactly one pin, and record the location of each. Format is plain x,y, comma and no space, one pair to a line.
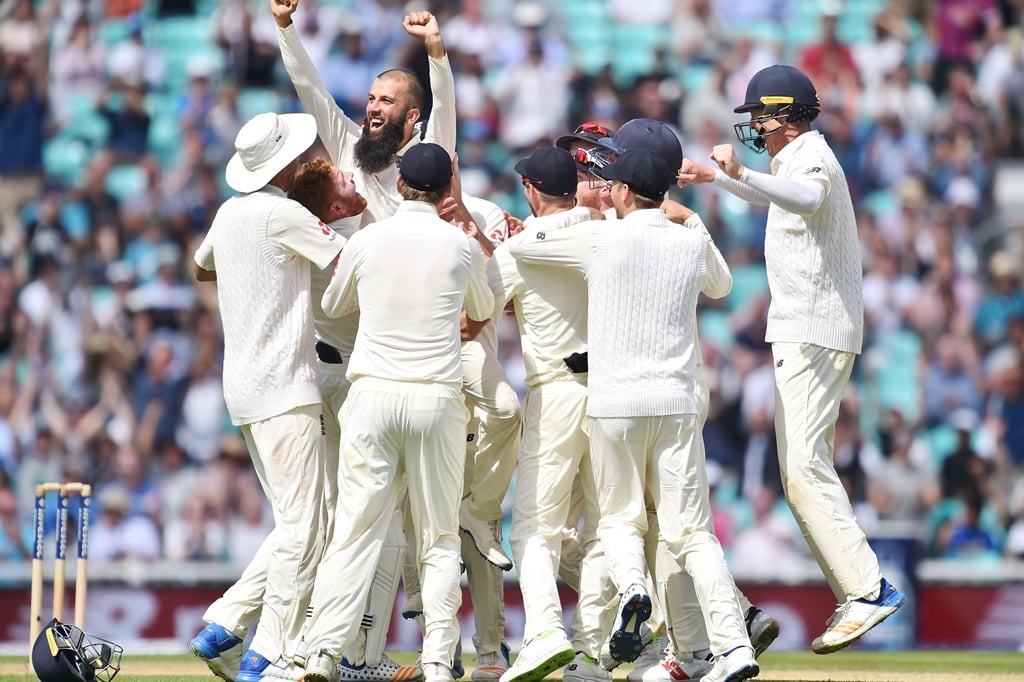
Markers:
65,158
252,101
125,181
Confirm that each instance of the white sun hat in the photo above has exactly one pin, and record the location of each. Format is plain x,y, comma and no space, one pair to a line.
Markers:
265,145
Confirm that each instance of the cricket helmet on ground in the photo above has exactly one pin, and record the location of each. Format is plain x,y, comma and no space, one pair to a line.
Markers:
65,653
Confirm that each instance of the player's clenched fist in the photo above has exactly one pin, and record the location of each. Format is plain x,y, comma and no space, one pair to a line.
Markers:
693,173
421,24
725,156
283,11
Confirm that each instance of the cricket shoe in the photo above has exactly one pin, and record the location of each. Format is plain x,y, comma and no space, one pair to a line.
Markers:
252,668
486,537
609,663
386,671
671,669
733,666
583,668
762,628
320,667
651,656
289,672
626,642
221,650
491,666
852,619
436,672
541,656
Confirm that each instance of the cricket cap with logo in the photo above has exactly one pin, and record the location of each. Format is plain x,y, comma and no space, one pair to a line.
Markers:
265,146
551,170
653,136
644,172
426,166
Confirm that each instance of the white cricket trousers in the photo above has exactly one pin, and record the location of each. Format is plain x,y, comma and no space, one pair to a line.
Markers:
493,402
683,618
288,455
394,434
809,385
334,387
638,459
556,448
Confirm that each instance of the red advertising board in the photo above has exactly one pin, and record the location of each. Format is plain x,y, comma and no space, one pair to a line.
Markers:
946,615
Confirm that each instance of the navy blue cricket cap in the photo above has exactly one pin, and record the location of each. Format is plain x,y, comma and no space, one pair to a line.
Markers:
426,167
551,170
642,171
649,135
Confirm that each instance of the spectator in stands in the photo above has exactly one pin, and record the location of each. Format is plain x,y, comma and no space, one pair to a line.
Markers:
15,534
1003,301
964,474
951,381
773,534
78,70
23,112
815,57
119,533
129,122
192,534
904,487
963,29
967,538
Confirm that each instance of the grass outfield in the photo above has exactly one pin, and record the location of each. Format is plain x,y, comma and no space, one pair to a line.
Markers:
847,666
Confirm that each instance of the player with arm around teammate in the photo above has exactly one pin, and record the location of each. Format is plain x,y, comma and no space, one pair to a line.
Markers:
403,424
260,249
643,275
815,326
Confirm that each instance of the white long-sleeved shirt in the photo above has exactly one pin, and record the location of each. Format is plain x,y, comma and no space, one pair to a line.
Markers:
812,253
410,276
644,274
262,245
339,332
550,303
339,133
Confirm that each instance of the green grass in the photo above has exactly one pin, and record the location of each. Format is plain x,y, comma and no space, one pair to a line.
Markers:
845,666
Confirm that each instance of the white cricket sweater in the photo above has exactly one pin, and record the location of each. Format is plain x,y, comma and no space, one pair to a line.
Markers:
812,259
409,276
644,274
262,246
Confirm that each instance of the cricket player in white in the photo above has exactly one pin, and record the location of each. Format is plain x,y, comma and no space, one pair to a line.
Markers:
815,326
393,108
404,421
644,275
331,194
259,249
551,310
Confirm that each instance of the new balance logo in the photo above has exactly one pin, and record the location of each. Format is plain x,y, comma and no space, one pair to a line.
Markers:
541,236
779,363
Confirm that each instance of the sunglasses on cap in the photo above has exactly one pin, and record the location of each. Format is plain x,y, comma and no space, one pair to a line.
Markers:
592,128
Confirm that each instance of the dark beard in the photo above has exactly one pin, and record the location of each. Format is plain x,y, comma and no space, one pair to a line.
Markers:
374,152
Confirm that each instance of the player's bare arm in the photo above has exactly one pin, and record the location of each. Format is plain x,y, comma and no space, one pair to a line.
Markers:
283,11
423,25
202,274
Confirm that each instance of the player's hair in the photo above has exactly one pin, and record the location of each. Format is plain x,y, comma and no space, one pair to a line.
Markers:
434,197
314,186
645,202
414,94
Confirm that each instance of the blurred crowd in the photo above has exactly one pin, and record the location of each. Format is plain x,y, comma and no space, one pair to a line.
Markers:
117,118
